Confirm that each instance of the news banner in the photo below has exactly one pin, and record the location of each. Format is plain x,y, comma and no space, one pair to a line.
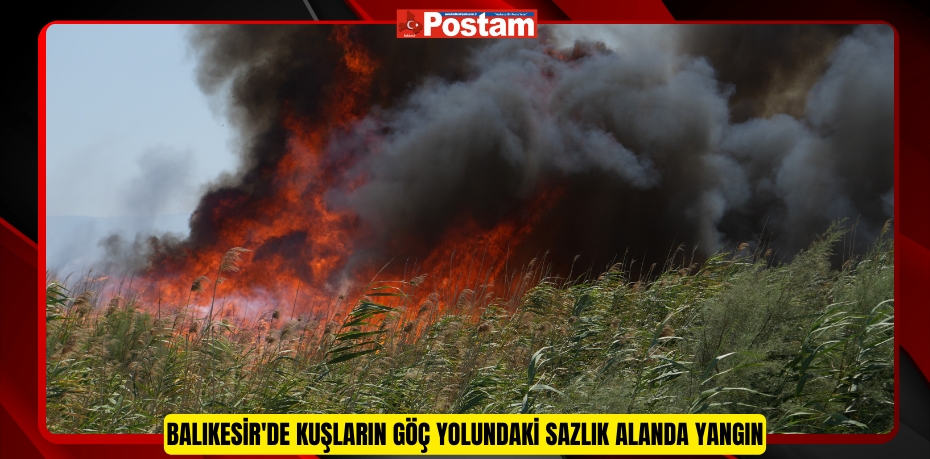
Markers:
456,434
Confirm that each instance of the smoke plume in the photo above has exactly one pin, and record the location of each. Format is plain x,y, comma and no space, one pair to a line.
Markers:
358,147
649,147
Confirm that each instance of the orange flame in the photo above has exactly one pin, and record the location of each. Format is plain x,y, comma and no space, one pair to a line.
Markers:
318,241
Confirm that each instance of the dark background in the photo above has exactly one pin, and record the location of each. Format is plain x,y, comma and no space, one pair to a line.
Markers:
19,160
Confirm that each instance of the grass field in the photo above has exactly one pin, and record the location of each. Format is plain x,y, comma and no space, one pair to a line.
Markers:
808,346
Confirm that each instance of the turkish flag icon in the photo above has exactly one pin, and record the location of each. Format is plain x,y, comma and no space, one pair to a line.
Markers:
411,25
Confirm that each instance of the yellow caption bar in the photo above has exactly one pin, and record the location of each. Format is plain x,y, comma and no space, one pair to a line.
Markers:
461,434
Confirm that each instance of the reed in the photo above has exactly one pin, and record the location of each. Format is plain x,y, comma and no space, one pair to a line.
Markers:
807,345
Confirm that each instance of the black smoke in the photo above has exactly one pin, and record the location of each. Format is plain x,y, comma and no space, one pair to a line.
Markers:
771,67
718,135
257,73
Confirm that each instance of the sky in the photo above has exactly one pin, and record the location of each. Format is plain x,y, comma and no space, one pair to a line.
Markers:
131,140
122,99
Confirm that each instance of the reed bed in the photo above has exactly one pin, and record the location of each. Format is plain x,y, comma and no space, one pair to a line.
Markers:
805,344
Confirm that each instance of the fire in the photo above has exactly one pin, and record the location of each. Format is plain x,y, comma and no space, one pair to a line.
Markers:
468,257
302,246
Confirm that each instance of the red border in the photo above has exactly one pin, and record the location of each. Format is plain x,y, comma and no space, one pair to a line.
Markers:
911,251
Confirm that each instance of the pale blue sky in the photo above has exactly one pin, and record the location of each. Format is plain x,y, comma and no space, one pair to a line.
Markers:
124,114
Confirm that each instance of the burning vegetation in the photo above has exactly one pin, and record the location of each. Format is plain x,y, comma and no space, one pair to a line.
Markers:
808,346
403,235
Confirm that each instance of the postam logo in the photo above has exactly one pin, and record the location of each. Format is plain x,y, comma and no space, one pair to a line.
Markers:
466,24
